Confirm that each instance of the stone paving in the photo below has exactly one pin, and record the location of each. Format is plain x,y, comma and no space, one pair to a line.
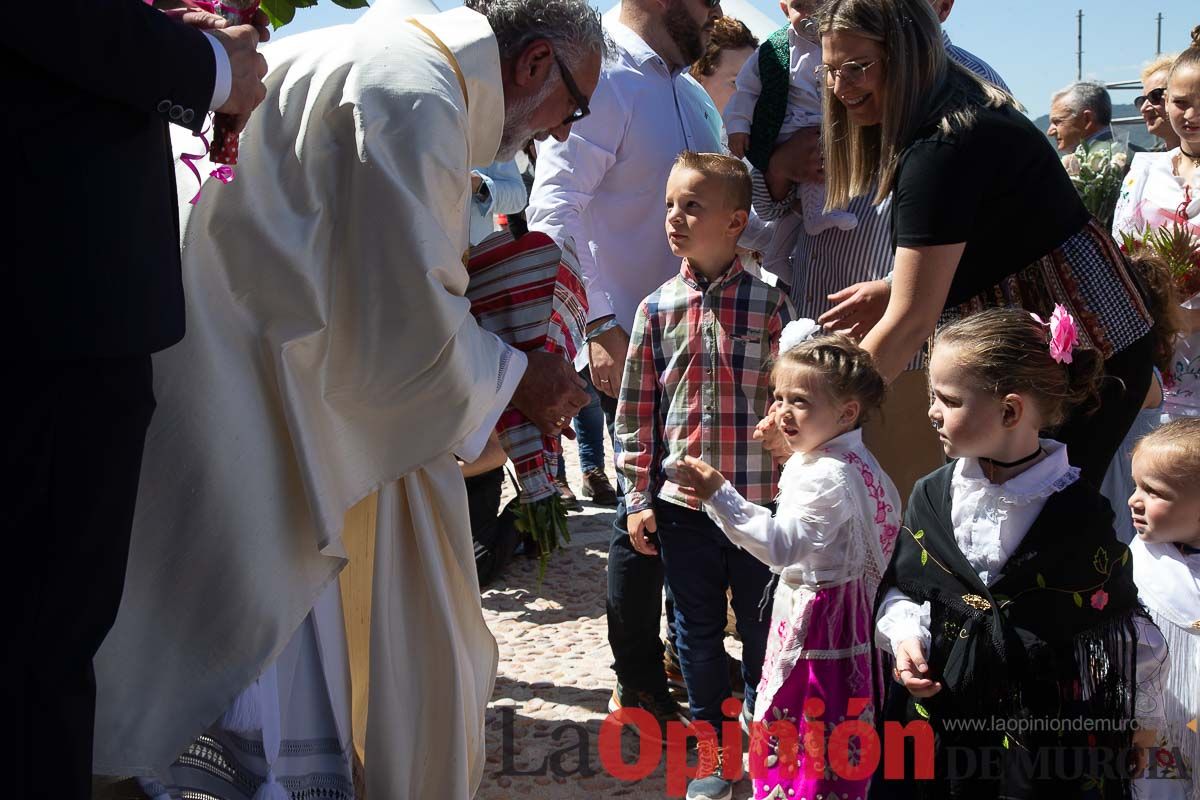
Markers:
555,678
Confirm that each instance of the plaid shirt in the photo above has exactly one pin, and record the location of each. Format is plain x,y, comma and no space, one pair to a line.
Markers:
696,382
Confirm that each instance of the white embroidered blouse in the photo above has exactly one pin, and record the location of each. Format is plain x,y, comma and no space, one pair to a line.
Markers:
823,496
990,521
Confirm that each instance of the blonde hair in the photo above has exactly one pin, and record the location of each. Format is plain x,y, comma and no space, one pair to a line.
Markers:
1006,351
729,171
1179,442
921,85
1160,63
847,370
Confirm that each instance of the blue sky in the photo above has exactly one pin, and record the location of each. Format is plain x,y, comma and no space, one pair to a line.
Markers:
1030,42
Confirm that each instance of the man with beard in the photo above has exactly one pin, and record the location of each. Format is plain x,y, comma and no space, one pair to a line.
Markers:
604,186
331,354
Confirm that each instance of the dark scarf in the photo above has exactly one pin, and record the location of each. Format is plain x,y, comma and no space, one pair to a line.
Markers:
774,73
1052,637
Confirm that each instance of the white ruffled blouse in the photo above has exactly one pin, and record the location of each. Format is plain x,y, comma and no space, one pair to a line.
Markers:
823,497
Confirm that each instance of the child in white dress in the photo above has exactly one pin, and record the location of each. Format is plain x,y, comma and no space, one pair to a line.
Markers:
829,542
1166,568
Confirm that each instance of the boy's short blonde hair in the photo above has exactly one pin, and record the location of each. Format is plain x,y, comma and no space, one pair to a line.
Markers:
731,172
1178,442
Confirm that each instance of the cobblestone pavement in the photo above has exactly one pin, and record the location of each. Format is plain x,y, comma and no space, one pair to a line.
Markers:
555,678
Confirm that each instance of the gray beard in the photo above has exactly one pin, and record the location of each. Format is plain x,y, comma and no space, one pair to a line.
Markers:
517,132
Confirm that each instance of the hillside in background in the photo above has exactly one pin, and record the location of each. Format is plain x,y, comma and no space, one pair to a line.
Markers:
1134,133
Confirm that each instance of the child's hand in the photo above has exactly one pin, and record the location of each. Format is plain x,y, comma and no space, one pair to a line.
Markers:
910,666
767,431
1144,740
640,525
697,479
739,143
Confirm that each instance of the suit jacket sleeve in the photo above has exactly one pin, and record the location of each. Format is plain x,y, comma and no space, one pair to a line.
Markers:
123,51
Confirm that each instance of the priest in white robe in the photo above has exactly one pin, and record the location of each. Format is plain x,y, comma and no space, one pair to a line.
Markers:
330,354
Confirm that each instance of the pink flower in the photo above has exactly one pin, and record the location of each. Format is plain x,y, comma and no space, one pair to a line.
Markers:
1099,599
1063,333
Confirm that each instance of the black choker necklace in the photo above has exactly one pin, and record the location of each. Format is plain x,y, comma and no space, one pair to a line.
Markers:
1195,159
1017,463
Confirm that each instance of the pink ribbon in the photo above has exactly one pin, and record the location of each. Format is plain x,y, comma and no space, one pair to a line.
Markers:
224,173
236,15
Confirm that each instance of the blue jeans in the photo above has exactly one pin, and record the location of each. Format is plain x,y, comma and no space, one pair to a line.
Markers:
700,563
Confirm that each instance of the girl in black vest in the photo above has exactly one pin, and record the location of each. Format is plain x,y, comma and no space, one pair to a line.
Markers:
1010,605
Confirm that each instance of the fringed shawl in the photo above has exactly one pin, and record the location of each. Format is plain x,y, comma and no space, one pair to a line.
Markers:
1052,638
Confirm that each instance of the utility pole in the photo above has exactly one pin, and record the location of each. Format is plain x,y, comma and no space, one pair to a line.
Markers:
1079,49
1158,47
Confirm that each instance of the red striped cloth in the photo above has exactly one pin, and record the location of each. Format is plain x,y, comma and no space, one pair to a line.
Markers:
529,293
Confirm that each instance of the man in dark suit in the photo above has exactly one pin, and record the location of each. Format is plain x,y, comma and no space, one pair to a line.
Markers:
92,272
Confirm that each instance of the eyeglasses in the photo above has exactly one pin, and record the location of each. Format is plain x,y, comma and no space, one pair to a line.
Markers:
1155,96
711,3
851,73
581,102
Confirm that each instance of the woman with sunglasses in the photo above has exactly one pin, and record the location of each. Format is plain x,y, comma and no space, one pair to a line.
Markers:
1162,190
983,214
1151,103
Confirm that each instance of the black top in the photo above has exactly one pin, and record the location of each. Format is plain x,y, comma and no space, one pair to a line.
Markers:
91,238
998,186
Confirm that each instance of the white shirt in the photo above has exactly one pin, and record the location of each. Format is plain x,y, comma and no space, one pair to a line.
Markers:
605,185
1152,196
827,524
223,82
804,92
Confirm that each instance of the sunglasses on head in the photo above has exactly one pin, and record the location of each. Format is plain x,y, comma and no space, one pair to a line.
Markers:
1155,96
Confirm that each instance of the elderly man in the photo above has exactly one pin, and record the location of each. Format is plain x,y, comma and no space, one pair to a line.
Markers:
331,354
1082,112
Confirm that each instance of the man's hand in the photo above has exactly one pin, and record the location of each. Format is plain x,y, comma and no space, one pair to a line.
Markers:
773,441
858,308
606,360
911,666
799,158
212,22
550,393
739,143
697,479
641,524
247,67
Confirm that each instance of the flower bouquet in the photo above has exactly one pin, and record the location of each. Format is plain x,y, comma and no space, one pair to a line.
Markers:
1096,170
1178,246
528,292
224,147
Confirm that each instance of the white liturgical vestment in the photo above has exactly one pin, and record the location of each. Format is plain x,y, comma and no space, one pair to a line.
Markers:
330,353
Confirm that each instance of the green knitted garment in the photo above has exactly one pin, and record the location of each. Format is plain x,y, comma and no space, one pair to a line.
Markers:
774,62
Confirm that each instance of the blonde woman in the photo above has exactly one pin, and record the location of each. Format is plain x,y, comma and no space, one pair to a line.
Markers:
1152,102
983,214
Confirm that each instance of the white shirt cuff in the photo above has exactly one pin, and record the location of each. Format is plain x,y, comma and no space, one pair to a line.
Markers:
512,370
223,85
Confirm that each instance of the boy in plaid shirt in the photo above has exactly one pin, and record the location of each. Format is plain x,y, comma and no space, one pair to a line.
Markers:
696,382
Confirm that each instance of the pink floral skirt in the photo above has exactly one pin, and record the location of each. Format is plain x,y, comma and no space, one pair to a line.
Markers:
828,687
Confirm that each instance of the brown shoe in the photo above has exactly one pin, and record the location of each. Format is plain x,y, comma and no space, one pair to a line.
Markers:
570,501
597,487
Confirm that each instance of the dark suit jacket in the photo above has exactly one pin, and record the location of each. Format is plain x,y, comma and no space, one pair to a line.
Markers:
90,244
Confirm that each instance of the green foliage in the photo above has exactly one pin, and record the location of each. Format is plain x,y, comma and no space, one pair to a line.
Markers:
281,12
545,521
